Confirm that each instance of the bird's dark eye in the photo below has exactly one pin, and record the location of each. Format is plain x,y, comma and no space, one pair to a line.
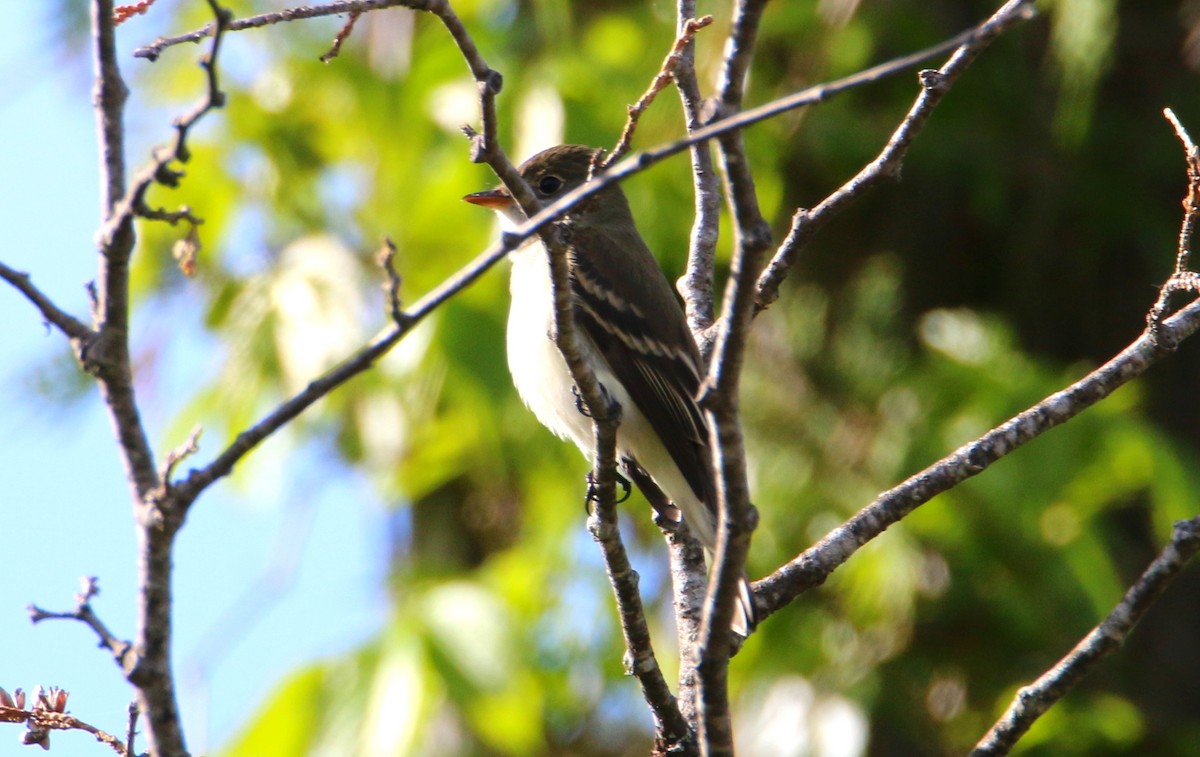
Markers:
548,185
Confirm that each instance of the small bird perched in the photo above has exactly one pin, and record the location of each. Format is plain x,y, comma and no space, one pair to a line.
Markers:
633,334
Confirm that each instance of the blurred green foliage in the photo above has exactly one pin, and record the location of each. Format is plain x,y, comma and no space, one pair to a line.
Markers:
1035,215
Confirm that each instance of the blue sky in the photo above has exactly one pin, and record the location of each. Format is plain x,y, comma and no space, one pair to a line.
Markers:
271,572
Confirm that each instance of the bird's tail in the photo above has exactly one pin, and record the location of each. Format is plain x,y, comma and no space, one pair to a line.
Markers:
744,616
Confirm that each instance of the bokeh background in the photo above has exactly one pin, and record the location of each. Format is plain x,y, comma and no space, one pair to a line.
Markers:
405,570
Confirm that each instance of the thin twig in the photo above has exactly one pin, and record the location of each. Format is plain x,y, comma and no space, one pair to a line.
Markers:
131,731
68,324
934,85
1181,280
181,453
386,258
40,722
158,169
682,42
123,13
1032,701
342,35
155,48
122,651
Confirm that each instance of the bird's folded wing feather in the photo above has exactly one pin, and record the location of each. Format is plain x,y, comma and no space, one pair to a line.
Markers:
639,328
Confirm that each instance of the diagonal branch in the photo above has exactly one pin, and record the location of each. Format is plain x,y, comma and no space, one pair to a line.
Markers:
813,566
489,82
639,162
1160,339
68,324
185,492
1035,699
154,49
934,86
45,716
485,147
683,42
123,652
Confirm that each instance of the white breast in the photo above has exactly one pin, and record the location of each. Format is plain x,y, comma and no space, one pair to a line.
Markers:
538,369
544,384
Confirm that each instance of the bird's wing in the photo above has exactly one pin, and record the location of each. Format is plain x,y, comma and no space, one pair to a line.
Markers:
639,327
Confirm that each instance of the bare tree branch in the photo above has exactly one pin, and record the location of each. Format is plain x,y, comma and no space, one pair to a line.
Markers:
1159,340
673,736
814,565
1035,699
683,41
163,505
689,582
1182,280
342,35
688,571
123,652
68,324
47,715
386,258
106,356
131,731
155,49
934,85
719,396
696,285
489,81
670,728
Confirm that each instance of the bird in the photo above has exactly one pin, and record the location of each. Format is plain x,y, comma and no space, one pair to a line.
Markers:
634,335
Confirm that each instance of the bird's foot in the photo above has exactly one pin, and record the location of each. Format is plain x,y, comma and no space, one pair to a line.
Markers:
593,491
582,407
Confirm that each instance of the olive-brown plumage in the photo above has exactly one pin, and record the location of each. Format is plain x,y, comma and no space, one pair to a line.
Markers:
634,334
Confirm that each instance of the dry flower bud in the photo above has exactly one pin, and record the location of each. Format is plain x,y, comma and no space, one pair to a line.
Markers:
37,736
5,699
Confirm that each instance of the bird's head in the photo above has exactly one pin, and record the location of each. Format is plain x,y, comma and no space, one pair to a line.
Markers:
551,174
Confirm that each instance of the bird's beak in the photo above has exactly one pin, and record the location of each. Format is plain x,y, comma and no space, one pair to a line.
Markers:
496,199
